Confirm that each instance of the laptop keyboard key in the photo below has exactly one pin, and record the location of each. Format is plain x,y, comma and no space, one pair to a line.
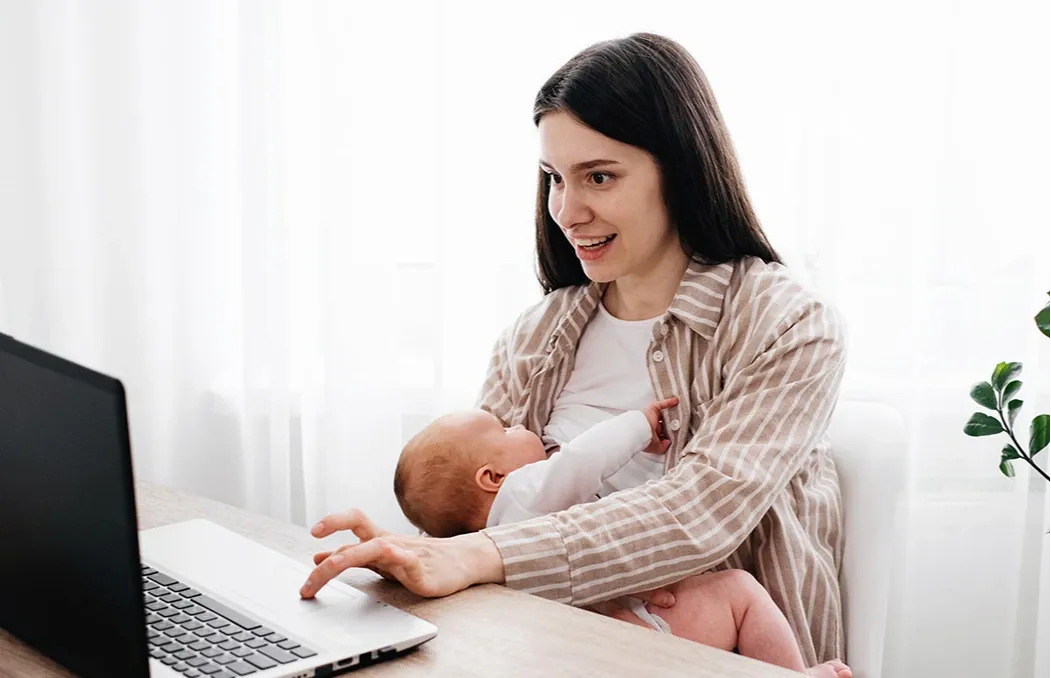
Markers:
260,662
303,652
288,644
224,659
256,643
278,655
211,652
197,662
222,610
241,668
243,651
169,660
209,669
184,654
244,636
229,644
162,579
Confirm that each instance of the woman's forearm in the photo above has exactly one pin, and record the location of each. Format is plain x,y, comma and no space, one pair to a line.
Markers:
481,558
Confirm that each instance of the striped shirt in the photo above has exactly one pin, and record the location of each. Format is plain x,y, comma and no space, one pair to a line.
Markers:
756,362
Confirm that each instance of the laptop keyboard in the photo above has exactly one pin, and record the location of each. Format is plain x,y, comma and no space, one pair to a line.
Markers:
201,637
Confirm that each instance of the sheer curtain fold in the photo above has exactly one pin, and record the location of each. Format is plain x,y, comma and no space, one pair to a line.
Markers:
295,230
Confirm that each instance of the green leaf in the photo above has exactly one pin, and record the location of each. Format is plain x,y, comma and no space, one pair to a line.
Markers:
1009,452
1041,319
1012,411
1011,390
1004,373
1007,469
983,394
1038,434
982,425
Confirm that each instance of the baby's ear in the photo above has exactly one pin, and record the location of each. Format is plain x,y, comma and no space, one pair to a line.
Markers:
489,479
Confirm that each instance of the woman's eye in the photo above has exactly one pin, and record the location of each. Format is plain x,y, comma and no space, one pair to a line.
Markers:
600,178
555,178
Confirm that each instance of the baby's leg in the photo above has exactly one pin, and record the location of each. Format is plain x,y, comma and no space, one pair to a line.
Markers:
730,609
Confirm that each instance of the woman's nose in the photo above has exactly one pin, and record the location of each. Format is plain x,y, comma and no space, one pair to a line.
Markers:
570,209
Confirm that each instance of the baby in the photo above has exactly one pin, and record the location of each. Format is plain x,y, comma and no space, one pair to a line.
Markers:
467,471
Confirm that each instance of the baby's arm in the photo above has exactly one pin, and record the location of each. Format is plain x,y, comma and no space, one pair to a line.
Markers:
575,474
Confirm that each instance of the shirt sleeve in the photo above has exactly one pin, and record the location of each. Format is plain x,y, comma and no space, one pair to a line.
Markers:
575,474
752,438
498,389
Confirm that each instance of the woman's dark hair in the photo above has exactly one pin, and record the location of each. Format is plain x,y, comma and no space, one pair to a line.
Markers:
648,91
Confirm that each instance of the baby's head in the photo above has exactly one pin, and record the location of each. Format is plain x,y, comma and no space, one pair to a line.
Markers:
450,472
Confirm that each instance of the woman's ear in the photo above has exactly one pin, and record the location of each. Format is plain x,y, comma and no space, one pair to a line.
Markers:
489,479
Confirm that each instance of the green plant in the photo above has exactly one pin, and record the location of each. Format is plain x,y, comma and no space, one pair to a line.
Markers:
999,394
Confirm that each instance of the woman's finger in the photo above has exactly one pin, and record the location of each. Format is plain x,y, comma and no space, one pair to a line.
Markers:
319,557
354,520
373,553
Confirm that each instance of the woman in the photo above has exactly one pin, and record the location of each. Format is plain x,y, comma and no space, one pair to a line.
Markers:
648,246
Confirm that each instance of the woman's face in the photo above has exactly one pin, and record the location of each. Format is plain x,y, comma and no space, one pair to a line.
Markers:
606,198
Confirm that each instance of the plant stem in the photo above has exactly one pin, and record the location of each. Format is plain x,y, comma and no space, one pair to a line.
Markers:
1010,432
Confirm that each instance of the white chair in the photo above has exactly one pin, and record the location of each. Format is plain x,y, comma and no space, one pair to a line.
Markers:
870,448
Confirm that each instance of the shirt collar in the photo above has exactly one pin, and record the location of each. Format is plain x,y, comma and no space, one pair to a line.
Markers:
698,303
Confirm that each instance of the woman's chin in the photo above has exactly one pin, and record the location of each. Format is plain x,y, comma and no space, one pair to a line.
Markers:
599,272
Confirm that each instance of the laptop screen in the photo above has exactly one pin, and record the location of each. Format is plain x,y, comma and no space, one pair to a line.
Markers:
69,567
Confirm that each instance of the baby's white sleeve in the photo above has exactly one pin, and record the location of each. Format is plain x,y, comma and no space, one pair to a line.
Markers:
574,474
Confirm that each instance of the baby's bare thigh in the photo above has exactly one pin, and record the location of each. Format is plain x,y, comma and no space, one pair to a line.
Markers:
705,605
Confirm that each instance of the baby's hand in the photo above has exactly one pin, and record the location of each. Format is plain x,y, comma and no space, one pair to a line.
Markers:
659,444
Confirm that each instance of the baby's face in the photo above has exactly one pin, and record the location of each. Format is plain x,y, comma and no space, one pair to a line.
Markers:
515,446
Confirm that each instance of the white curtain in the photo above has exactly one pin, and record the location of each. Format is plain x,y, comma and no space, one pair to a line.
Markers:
294,230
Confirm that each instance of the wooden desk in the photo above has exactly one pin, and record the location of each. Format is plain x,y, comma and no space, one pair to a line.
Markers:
484,631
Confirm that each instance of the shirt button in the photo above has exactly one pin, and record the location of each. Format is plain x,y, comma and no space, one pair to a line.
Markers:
658,356
674,425
664,330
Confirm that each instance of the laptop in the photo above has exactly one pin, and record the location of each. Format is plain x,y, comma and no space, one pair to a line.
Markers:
82,585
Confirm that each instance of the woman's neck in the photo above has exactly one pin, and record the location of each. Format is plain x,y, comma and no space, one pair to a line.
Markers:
649,294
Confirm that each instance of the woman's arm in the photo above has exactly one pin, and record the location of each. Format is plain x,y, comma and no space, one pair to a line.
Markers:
755,436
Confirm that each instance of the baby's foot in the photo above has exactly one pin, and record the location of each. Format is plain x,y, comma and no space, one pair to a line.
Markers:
830,669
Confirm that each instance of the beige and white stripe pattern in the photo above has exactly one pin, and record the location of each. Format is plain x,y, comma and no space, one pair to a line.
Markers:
756,362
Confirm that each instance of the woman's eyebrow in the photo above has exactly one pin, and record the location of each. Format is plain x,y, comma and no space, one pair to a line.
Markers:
580,166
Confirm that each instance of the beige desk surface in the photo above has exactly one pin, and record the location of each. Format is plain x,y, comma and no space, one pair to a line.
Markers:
484,631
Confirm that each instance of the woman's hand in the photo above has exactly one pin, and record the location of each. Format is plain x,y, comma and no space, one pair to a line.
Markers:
426,566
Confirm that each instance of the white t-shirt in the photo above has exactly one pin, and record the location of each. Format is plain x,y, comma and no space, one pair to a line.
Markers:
609,377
